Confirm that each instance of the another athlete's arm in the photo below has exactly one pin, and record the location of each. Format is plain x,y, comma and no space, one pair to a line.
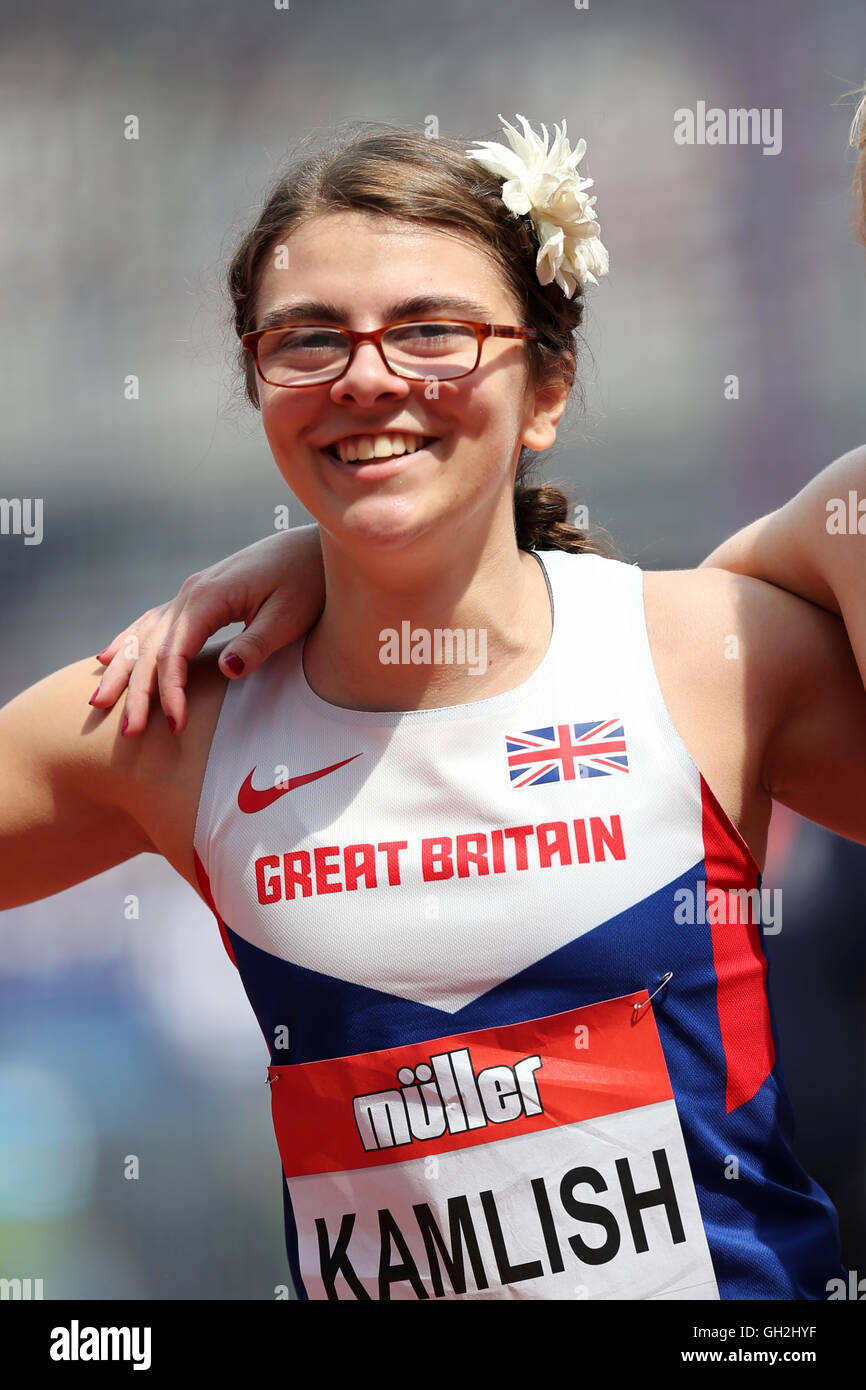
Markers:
275,586
814,546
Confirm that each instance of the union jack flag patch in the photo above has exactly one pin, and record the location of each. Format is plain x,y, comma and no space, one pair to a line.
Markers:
563,752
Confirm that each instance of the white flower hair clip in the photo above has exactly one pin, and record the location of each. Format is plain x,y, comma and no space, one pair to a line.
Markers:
545,184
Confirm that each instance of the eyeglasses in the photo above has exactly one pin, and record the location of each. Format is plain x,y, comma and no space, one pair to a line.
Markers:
310,354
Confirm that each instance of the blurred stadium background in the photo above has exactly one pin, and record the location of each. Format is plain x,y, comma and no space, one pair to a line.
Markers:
122,1035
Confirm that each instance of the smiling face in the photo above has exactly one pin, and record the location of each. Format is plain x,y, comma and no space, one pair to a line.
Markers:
369,269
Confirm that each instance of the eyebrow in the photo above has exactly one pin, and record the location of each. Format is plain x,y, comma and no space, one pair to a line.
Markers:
317,311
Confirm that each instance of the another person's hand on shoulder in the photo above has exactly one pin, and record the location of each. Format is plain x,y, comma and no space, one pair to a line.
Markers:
275,586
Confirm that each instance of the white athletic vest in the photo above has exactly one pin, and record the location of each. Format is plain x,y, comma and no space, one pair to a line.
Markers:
517,1028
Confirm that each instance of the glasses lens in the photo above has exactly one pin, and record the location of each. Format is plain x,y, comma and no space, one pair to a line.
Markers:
302,356
426,349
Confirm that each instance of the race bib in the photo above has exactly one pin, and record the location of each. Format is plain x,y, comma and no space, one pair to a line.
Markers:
543,1159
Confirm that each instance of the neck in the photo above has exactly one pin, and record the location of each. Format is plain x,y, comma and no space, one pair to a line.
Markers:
423,630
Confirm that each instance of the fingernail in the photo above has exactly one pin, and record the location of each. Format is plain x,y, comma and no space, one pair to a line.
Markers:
93,696
101,654
124,724
171,723
234,663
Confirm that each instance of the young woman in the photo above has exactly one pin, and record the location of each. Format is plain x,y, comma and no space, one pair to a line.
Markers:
484,841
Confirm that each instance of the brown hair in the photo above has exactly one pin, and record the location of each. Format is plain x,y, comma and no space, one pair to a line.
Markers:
389,171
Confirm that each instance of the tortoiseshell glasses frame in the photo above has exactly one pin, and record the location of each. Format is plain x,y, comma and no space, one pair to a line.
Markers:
482,332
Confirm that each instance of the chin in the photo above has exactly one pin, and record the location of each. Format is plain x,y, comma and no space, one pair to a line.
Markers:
385,527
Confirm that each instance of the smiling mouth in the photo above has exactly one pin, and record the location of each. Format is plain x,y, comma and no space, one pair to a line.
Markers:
410,445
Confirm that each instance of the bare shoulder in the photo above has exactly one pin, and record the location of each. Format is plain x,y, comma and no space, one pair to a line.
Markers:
80,798
89,741
159,775
154,780
764,689
728,651
708,622
738,619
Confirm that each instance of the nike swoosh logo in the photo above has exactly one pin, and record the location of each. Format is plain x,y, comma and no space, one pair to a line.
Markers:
250,799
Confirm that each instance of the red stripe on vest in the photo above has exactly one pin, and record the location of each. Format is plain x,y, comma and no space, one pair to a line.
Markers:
204,885
739,960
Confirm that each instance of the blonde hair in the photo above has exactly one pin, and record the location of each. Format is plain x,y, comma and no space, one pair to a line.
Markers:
857,138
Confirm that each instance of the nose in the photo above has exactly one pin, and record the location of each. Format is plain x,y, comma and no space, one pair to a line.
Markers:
368,377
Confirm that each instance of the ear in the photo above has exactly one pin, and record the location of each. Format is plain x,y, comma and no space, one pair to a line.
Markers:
544,407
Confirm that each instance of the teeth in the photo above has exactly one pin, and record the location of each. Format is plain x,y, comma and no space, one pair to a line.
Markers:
380,446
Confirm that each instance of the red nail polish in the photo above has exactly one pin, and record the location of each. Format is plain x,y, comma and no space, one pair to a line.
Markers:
234,663
124,724
93,696
171,723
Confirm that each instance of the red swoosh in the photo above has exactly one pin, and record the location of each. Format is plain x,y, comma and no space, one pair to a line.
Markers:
250,799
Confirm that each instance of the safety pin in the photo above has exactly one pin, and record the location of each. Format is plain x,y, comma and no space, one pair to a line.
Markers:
271,1079
665,979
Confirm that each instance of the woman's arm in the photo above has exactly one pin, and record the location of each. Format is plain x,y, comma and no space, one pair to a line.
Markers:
63,816
814,546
